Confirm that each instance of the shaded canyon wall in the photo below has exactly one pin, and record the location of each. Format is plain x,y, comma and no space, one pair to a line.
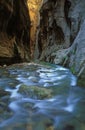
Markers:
54,29
14,31
61,35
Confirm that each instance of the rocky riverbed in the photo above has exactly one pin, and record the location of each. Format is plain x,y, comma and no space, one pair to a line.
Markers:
40,97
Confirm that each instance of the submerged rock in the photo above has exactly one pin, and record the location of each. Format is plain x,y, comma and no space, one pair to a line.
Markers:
4,93
5,111
69,127
35,92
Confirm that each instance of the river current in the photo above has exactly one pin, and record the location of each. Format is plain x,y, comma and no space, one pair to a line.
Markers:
40,97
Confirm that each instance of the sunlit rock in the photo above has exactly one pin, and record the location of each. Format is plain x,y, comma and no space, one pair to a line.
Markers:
34,7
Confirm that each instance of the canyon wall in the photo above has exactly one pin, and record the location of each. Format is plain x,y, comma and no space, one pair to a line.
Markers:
61,35
46,30
54,30
34,7
14,31
76,55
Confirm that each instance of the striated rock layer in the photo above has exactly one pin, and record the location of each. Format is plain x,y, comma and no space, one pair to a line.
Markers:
14,31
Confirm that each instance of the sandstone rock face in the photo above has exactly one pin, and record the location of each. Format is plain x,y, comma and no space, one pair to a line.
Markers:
14,31
34,7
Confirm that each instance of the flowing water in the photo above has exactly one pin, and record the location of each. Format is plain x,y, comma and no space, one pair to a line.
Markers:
40,97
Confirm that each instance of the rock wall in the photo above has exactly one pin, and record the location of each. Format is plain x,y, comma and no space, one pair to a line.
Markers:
34,7
14,31
54,29
58,33
76,55
61,35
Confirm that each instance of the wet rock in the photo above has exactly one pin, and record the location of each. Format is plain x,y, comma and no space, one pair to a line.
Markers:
81,77
43,122
69,127
3,107
35,92
4,101
3,93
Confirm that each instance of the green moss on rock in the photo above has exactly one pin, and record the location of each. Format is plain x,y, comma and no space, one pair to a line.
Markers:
72,68
36,92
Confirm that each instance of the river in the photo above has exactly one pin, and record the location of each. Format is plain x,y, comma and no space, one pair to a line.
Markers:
40,97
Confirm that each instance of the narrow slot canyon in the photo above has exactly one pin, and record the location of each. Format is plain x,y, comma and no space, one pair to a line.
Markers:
34,8
42,64
43,30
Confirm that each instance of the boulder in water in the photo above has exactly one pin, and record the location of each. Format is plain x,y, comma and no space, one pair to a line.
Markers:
36,92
